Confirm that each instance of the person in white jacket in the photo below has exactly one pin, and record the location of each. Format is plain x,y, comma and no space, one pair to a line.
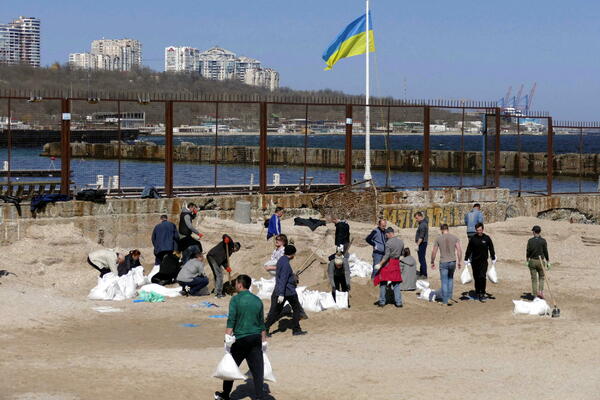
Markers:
280,242
105,261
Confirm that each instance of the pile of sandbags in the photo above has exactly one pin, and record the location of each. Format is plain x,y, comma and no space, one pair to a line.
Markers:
264,287
311,300
536,307
113,287
426,293
359,268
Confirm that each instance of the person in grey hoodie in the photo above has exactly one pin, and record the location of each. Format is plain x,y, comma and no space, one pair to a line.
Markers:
472,218
192,276
421,238
377,240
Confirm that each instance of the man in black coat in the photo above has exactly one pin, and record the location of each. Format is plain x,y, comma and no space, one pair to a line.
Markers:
342,233
477,254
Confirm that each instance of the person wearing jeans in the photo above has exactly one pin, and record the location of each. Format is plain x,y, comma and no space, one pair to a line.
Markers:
377,240
421,238
450,253
388,270
192,275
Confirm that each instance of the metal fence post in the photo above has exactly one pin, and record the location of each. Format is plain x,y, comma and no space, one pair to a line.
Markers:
65,147
550,162
348,147
497,149
262,180
426,147
169,148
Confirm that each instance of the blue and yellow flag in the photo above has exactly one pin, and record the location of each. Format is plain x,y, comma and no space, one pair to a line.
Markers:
352,41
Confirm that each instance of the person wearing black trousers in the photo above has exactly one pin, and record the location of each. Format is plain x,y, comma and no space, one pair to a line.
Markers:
342,233
338,271
477,252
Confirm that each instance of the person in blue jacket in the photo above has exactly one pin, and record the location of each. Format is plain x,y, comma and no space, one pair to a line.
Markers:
274,227
377,240
285,290
164,239
472,218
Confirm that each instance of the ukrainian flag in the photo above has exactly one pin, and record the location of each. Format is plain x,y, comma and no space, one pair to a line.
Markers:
352,41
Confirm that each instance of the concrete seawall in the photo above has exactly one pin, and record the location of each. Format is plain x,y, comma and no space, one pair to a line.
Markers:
407,160
127,222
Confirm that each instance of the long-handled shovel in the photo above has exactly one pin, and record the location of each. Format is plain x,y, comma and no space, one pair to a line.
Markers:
555,309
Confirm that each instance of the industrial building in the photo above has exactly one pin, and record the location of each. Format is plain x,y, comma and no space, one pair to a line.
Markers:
109,54
20,42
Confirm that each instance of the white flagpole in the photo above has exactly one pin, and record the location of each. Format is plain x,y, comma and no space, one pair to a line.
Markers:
367,175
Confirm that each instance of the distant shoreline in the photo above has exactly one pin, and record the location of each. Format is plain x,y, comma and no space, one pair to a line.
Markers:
452,133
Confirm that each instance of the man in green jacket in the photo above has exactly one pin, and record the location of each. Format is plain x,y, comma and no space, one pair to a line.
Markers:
245,336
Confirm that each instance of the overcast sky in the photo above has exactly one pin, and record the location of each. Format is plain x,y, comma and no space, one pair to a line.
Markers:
465,49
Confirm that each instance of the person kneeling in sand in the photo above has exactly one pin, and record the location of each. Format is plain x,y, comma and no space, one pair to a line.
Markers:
280,242
192,276
338,271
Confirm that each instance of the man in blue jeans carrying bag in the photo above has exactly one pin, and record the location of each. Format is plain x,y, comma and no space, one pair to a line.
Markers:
450,254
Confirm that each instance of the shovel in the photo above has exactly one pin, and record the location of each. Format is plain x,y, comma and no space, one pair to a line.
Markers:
555,309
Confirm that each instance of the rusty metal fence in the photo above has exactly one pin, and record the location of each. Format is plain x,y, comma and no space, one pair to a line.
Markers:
210,145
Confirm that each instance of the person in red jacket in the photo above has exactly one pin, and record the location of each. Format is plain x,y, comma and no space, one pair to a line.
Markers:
388,270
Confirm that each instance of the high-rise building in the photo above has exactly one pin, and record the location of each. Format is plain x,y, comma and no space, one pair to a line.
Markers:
219,64
20,42
110,54
181,59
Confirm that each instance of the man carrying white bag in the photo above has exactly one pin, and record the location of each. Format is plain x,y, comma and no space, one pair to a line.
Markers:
245,339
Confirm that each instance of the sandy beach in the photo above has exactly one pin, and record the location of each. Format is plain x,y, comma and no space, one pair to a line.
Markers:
54,345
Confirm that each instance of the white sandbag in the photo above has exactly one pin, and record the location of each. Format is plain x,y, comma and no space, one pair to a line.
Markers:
341,299
268,369
422,285
539,307
427,294
228,370
491,274
327,301
106,288
155,270
359,268
535,307
300,292
311,301
465,276
521,307
164,291
127,285
266,287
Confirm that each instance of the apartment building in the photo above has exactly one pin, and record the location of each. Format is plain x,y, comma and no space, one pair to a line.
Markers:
220,64
20,42
109,54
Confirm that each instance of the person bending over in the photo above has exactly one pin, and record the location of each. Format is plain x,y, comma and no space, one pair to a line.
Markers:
218,259
338,271
191,277
105,261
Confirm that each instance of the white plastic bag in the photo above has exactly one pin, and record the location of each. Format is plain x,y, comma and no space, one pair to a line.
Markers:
155,270
341,299
138,276
427,294
228,370
268,370
539,307
521,307
106,288
491,274
265,288
164,291
358,267
422,285
327,301
465,276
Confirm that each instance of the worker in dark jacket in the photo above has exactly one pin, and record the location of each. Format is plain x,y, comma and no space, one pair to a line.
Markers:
218,259
342,233
164,238
537,250
421,238
338,271
477,252
377,240
188,235
131,261
285,290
